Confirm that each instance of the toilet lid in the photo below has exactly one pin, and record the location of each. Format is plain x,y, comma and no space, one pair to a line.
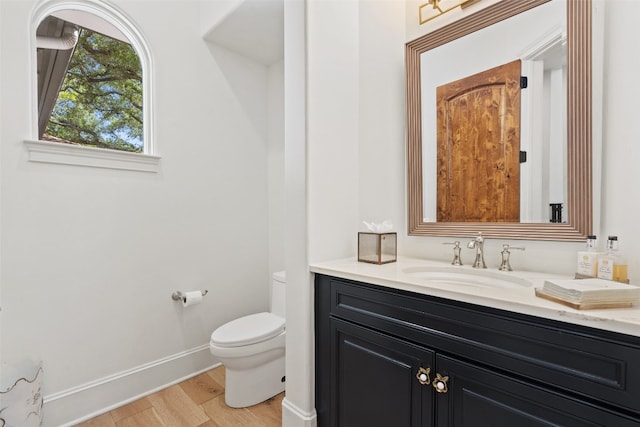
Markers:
248,330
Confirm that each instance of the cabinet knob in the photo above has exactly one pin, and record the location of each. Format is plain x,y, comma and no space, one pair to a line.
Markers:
440,383
423,376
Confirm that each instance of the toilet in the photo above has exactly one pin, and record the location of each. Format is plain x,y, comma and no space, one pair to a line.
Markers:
251,348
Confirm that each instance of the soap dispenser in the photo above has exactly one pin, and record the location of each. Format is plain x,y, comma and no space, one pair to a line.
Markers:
612,265
588,259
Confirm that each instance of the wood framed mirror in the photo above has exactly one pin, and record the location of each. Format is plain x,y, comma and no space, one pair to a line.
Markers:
578,221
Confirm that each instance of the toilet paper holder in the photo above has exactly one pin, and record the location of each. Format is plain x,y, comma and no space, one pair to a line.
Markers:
179,296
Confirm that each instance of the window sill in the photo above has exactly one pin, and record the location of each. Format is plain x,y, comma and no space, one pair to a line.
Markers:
77,155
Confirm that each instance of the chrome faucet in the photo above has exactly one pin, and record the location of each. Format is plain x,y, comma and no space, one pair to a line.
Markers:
506,265
478,244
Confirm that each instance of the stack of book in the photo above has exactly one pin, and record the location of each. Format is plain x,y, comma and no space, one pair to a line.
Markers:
590,293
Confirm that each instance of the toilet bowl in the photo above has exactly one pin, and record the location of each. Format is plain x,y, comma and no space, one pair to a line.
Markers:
252,350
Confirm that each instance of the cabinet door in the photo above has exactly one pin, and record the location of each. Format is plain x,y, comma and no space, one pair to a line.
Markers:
376,379
475,396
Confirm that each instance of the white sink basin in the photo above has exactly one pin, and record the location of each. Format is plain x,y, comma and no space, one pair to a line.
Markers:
467,277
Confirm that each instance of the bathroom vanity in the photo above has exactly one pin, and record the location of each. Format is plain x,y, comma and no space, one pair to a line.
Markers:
418,343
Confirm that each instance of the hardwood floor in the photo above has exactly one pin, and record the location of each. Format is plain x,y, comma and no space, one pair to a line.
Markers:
198,401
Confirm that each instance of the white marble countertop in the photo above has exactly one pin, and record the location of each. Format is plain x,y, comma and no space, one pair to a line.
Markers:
518,296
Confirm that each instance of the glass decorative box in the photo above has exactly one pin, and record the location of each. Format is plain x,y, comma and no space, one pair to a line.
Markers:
377,248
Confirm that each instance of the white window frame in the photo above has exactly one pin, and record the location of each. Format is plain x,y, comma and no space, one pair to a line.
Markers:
78,155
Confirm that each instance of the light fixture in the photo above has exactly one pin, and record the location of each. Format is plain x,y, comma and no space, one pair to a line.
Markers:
434,8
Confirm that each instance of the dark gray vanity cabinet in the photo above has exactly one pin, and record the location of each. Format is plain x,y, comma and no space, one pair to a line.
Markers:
376,381
391,358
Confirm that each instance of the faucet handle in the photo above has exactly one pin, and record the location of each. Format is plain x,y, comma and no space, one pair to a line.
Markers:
506,265
506,247
477,240
456,252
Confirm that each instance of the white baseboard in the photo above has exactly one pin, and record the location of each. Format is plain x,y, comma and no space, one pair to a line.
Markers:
80,403
293,416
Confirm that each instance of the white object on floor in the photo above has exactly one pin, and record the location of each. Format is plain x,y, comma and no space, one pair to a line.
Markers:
252,350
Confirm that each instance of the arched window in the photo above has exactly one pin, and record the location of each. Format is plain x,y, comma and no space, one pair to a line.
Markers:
93,83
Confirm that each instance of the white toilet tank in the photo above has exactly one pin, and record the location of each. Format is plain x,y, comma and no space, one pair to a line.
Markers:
278,294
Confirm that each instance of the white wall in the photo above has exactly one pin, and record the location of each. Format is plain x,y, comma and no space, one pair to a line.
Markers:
298,407
621,154
381,127
332,126
276,167
356,121
90,256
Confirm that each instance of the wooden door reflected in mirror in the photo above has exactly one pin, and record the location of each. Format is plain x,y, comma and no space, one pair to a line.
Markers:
478,138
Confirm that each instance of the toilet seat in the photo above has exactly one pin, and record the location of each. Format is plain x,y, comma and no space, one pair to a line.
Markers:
247,330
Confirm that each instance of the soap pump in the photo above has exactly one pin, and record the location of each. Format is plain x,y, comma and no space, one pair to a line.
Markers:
588,259
612,265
